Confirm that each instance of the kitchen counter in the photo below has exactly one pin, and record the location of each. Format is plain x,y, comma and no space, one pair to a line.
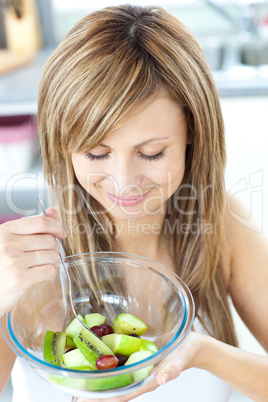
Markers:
19,88
242,81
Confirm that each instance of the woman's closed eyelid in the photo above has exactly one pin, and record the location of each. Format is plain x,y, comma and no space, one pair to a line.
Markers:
154,157
101,157
93,157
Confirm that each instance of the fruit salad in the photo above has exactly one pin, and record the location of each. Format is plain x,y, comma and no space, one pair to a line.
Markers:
108,347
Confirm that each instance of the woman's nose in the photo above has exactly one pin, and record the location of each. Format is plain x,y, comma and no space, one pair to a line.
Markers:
126,177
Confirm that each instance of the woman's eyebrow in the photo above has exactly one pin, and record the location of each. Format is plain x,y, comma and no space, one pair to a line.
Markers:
150,140
155,139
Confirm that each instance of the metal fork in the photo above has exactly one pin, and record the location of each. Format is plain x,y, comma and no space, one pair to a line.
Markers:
67,275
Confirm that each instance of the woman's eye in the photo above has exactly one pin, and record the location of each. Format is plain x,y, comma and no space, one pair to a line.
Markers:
152,157
155,157
96,157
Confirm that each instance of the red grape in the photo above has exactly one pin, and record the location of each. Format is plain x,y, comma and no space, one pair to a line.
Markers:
121,359
106,329
106,362
97,330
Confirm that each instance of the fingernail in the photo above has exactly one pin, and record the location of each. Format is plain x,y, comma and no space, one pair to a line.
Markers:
165,378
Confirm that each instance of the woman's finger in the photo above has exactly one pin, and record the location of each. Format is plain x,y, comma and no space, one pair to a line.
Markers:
36,225
37,242
39,274
33,259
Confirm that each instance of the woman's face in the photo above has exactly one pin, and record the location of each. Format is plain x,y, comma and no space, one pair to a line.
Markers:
140,164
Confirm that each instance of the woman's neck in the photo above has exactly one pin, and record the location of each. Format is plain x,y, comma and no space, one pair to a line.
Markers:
144,238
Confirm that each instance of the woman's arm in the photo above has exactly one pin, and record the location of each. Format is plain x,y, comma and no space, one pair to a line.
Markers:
245,371
7,359
248,283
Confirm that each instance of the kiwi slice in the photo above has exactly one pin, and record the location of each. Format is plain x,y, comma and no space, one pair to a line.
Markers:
128,324
102,384
91,346
54,347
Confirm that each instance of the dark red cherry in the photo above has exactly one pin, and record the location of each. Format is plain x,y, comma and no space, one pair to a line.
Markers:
121,359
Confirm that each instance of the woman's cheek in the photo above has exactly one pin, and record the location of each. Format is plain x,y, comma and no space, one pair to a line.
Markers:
170,177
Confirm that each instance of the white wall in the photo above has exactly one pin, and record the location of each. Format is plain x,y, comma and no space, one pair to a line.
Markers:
246,123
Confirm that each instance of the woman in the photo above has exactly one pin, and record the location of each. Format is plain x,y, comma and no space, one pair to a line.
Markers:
132,140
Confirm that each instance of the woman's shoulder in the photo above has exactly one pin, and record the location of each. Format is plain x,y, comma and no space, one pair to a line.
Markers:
241,232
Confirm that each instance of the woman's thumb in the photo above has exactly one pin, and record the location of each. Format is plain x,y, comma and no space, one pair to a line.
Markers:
52,213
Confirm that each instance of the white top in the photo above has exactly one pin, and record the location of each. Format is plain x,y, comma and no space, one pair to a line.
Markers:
193,385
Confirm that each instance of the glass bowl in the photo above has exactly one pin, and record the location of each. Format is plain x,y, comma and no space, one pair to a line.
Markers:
108,283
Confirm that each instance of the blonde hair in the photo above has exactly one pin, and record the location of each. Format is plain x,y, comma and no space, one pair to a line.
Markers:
108,63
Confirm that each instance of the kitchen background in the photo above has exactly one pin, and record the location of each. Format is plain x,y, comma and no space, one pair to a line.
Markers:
234,37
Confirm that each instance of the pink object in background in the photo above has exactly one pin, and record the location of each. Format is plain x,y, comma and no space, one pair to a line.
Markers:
6,218
18,143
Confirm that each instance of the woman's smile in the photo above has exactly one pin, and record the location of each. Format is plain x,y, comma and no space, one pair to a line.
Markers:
128,201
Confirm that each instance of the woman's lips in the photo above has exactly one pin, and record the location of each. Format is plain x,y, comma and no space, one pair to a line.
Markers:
127,201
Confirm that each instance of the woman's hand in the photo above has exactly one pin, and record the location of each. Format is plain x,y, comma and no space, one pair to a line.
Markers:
183,357
245,371
28,255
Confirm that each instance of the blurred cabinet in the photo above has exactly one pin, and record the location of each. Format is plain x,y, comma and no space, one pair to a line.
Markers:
19,154
23,30
22,181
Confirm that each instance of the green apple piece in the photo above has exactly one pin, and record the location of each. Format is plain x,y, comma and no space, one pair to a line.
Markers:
75,358
128,324
91,346
74,327
102,384
69,343
148,345
84,368
136,357
122,344
94,319
77,383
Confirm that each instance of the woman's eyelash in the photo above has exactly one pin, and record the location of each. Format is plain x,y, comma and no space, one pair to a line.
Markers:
152,157
96,157
143,156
